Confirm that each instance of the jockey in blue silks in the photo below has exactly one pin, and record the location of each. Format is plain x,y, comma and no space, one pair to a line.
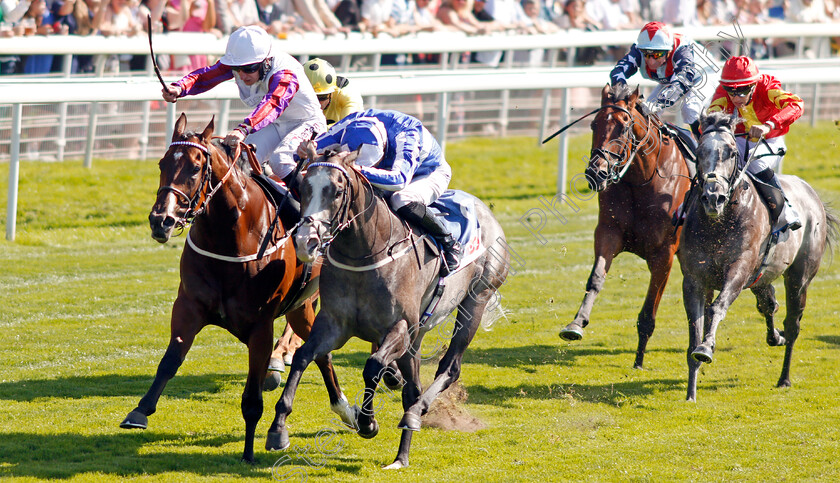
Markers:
398,155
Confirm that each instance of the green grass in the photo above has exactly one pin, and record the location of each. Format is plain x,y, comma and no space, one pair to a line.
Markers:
86,295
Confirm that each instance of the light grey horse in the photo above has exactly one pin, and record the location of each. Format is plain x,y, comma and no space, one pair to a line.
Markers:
724,247
377,280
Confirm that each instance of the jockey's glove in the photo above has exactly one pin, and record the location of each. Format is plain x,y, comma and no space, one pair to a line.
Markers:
234,137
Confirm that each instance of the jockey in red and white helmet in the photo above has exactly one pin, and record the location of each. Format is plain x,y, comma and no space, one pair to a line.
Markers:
765,110
672,61
285,110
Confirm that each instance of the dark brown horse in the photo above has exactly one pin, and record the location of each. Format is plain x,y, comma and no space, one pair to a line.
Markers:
726,246
641,178
223,282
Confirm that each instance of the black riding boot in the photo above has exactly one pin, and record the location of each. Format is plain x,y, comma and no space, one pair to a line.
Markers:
786,217
695,129
419,214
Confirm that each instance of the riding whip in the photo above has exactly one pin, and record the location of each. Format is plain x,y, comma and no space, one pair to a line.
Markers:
154,59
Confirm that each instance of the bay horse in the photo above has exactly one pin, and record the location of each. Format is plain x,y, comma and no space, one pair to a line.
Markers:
726,246
376,283
641,178
223,282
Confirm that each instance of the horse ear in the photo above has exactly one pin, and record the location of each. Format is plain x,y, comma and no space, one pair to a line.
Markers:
605,94
634,97
180,126
351,157
207,135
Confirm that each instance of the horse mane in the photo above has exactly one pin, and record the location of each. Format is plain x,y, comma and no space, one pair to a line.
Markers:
719,121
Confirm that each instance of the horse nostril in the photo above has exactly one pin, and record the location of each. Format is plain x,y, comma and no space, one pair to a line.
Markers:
721,199
168,222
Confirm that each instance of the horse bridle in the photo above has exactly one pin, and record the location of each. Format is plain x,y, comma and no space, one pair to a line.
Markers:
341,218
616,169
195,204
736,175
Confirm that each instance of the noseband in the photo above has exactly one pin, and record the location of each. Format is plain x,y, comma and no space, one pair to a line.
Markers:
341,219
195,206
617,170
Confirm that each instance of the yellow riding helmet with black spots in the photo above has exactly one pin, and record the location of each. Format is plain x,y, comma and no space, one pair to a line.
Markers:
321,74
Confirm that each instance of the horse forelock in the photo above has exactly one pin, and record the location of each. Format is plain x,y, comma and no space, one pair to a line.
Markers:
619,92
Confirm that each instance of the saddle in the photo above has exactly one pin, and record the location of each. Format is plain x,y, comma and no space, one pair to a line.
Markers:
687,144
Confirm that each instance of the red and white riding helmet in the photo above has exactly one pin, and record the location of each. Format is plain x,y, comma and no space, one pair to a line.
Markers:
655,36
739,71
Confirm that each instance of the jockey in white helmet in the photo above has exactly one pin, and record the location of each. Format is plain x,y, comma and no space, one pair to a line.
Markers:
285,108
400,156
671,60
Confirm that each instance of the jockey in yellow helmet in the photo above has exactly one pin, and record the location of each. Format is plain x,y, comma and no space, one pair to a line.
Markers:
338,99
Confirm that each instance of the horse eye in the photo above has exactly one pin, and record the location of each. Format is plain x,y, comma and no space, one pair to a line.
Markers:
339,193
196,169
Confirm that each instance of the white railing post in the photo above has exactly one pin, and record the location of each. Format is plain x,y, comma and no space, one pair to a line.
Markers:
14,167
61,135
563,145
545,116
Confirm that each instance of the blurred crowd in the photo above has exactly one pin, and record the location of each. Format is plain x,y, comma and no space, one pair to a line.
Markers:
392,18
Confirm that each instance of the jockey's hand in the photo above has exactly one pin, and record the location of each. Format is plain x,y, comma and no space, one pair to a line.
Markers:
649,108
759,130
234,137
306,150
171,93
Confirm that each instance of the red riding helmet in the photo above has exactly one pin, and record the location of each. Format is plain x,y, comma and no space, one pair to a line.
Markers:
739,71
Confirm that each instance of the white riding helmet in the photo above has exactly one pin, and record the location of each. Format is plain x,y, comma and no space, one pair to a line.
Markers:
655,36
248,45
367,133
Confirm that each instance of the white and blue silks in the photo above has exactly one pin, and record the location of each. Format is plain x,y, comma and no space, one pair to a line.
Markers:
396,154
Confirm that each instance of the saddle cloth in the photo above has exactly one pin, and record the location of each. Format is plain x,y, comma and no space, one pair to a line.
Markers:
457,210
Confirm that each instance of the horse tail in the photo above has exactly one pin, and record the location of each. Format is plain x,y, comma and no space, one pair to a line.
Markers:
832,228
493,312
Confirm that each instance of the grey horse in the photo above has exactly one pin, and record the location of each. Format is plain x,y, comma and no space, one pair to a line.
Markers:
724,247
377,280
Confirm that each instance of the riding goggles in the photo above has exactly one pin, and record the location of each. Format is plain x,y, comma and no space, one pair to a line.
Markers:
323,97
248,69
654,54
741,91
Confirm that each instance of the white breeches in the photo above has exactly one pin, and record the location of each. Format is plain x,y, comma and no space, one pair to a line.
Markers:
277,143
424,190
759,164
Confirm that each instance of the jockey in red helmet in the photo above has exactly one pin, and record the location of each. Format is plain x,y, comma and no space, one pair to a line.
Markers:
671,60
765,110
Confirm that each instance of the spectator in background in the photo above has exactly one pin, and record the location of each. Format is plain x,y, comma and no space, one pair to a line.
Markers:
244,13
540,24
319,16
275,16
422,16
575,17
198,16
610,16
458,15
349,13
37,20
376,17
224,19
680,13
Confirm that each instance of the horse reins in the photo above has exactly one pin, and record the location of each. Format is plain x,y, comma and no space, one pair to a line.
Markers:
343,212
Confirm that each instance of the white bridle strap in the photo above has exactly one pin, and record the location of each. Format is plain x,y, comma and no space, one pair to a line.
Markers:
242,259
372,266
188,143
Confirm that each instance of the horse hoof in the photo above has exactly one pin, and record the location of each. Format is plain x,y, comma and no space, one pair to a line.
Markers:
371,432
277,441
572,332
273,380
410,421
135,420
702,354
277,365
287,358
